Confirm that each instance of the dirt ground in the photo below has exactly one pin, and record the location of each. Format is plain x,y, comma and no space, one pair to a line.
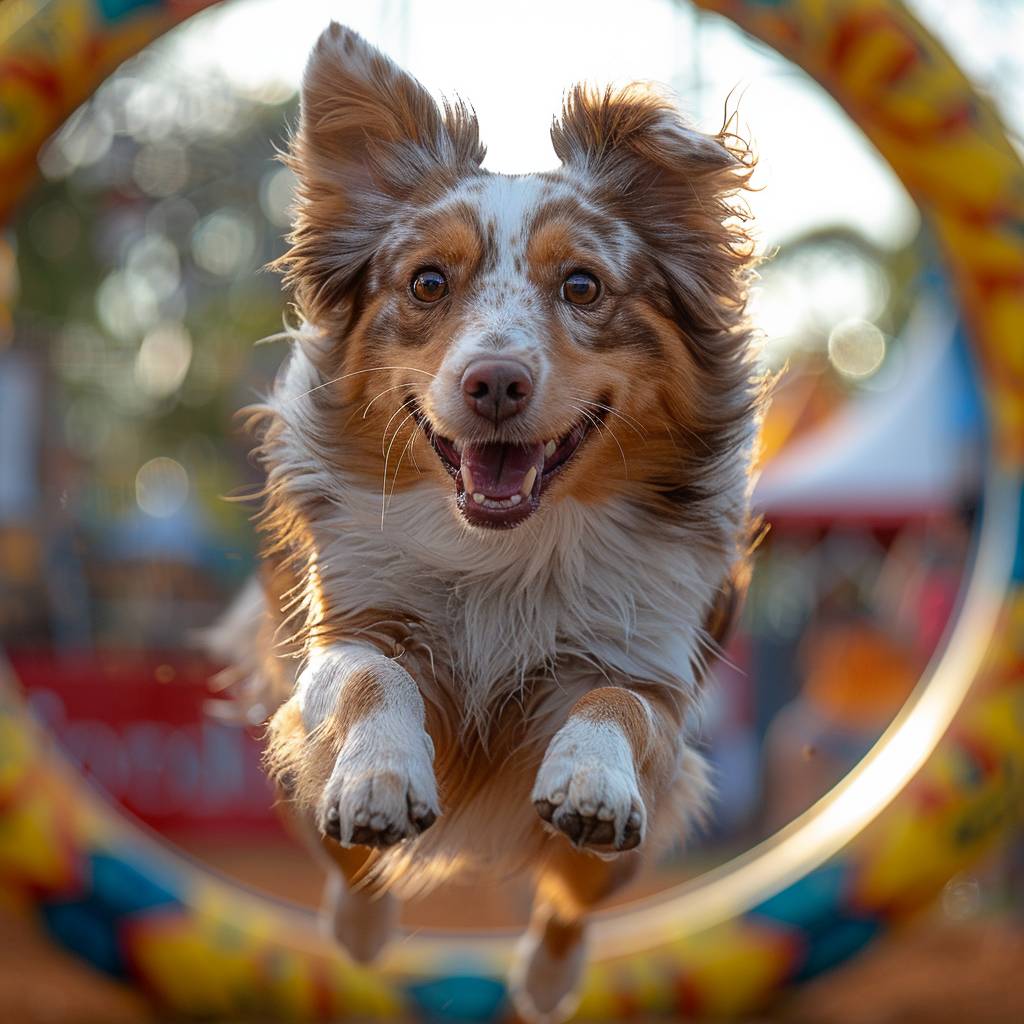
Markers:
935,972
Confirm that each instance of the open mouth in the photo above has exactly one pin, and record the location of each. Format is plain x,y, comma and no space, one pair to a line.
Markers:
499,484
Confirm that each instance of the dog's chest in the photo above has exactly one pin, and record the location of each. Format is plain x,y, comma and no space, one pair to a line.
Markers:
581,583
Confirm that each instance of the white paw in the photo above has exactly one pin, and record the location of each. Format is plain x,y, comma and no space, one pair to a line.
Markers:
587,788
543,987
382,789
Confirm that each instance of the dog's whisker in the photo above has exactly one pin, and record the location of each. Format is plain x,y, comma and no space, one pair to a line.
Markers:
686,430
381,394
611,433
596,422
356,373
642,434
398,412
634,424
398,466
671,434
387,458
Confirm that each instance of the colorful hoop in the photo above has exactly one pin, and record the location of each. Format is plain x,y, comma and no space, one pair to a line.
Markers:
937,790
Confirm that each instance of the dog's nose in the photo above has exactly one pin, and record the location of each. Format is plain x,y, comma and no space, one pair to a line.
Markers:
497,389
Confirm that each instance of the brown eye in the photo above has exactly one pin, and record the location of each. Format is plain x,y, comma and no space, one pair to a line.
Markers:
580,289
429,286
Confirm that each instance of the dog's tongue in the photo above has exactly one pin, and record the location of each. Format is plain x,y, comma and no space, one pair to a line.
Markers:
500,470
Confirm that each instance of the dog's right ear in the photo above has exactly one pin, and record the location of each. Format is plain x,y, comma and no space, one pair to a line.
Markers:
370,140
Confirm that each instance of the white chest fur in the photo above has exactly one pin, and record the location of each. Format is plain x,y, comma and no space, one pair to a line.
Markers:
604,584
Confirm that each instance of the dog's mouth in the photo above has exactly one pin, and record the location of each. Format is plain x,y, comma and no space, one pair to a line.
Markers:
500,484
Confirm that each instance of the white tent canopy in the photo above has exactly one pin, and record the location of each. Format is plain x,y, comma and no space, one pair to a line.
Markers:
907,450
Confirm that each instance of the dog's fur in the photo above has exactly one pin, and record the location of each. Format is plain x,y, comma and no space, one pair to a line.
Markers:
498,700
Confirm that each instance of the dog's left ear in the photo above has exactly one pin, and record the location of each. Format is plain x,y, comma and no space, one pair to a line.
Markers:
675,185
371,140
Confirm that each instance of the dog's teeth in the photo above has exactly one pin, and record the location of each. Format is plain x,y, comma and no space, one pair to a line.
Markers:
498,504
528,481
467,479
457,445
549,449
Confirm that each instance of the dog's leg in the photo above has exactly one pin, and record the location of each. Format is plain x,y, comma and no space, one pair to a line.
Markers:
355,910
351,752
367,711
617,750
551,955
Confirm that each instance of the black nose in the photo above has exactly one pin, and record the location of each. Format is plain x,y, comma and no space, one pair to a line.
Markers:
497,389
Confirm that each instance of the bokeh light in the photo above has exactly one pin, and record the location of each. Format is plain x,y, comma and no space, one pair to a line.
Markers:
856,348
127,304
163,359
161,487
223,243
276,192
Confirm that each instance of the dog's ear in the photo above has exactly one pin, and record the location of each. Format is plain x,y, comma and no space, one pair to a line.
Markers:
370,140
675,185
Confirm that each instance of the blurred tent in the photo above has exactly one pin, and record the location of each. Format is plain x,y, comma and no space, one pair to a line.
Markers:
909,448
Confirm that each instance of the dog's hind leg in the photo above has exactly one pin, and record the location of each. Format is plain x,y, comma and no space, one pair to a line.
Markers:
551,955
355,911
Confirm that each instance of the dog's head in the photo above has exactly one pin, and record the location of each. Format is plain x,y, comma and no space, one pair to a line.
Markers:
577,332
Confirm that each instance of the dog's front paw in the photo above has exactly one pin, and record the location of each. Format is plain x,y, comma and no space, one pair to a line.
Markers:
378,795
587,788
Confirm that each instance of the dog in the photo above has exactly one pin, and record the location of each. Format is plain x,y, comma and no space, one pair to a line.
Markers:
506,514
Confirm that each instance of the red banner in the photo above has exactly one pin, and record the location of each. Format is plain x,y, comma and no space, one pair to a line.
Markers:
138,728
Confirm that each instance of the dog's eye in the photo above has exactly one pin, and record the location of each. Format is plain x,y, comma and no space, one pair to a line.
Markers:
429,286
580,289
